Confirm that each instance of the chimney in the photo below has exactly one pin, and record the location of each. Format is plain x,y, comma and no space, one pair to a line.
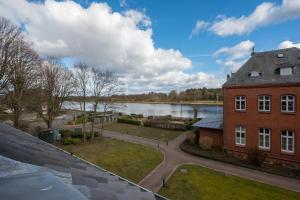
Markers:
228,76
253,51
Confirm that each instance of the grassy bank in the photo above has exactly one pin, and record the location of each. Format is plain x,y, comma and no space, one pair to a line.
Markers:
199,183
131,161
146,132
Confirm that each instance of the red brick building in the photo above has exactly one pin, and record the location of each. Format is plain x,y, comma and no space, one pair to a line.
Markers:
262,107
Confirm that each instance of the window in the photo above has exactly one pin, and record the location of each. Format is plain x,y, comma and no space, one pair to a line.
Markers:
264,103
264,138
288,103
240,103
285,71
240,135
287,141
280,55
254,74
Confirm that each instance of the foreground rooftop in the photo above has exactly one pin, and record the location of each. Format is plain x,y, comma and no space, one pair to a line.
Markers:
33,169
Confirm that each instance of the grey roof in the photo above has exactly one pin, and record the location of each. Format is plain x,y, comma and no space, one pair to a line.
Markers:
39,166
267,64
210,122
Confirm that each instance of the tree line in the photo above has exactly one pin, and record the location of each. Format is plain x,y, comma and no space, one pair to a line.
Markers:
193,94
30,82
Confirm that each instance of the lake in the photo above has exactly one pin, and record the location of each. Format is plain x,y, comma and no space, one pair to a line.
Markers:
148,109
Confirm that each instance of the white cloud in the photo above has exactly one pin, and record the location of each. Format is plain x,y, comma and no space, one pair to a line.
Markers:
200,25
233,57
263,15
288,44
171,80
120,42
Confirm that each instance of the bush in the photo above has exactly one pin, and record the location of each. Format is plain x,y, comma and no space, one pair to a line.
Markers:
68,141
206,143
128,120
65,133
256,157
147,123
189,125
77,134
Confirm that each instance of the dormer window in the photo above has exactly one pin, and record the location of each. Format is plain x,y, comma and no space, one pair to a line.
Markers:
254,74
286,71
280,55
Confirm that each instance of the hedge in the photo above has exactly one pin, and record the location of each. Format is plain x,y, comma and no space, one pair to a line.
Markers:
68,141
129,121
77,134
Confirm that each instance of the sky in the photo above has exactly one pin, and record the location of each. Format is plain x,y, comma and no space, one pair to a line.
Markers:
157,45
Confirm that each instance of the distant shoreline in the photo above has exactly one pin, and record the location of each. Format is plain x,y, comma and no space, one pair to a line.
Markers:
208,103
178,103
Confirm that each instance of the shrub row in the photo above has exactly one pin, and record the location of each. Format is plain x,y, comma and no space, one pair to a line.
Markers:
68,141
129,121
77,134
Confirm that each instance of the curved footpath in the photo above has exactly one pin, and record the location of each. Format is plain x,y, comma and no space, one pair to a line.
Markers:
174,157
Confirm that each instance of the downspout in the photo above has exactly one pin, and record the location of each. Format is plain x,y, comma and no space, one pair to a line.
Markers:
224,121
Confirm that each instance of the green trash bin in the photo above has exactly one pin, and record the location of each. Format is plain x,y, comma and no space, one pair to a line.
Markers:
46,135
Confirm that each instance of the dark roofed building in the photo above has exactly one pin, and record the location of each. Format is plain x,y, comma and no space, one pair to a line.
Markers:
210,127
268,68
33,169
261,107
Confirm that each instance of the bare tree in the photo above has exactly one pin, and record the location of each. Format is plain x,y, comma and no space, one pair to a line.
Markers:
113,86
24,65
10,35
56,84
98,84
82,80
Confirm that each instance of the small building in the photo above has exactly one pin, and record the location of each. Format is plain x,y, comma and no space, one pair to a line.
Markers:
210,127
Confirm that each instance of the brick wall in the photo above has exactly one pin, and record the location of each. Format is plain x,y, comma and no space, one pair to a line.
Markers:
252,119
215,135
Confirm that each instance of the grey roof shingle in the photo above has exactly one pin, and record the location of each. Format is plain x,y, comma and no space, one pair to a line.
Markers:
59,167
267,65
210,122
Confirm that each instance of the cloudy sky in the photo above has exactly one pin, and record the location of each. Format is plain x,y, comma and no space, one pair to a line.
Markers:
158,45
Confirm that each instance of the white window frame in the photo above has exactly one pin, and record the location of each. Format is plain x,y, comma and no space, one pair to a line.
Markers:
286,134
265,133
240,99
241,130
285,99
263,99
286,71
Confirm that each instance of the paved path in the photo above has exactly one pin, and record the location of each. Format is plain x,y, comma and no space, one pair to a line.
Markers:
174,157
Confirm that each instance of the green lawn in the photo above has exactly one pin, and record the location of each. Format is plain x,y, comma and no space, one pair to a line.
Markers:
146,132
200,183
131,161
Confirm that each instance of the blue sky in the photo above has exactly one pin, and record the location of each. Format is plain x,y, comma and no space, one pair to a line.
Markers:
172,22
180,54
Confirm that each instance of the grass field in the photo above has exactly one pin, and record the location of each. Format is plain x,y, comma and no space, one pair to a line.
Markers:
147,132
204,184
131,161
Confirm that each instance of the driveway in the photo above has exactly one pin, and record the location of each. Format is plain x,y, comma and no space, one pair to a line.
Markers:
174,157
